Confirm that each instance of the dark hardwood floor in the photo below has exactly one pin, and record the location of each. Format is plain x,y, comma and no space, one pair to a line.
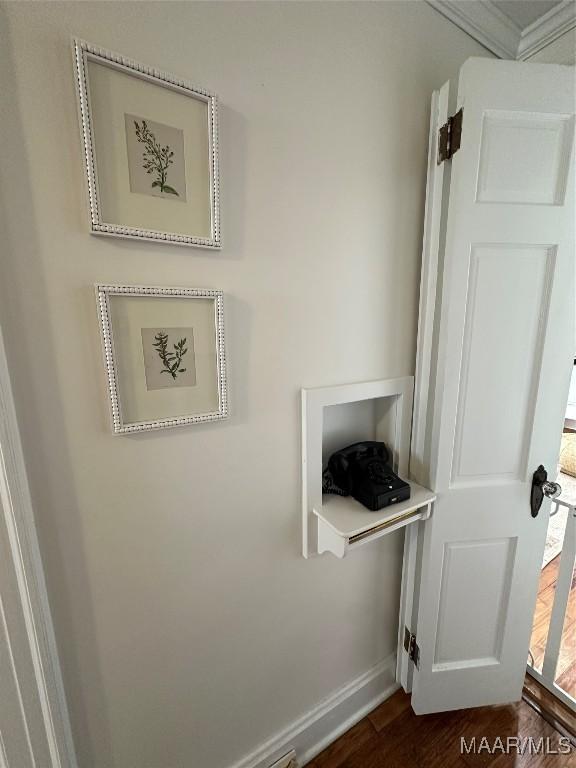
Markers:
392,736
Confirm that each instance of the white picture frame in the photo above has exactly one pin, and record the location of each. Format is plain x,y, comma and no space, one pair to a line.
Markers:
134,405
115,207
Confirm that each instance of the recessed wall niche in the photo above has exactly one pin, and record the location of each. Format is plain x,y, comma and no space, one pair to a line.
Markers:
332,418
348,423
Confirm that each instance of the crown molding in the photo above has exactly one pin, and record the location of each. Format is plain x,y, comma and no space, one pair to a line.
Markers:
484,22
489,26
546,29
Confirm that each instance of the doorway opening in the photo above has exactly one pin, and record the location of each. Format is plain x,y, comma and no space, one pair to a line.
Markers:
552,658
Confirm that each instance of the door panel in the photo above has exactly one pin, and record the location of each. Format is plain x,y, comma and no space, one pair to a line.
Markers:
464,570
523,158
500,333
504,326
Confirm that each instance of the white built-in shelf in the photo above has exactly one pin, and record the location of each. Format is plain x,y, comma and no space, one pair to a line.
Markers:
344,523
339,524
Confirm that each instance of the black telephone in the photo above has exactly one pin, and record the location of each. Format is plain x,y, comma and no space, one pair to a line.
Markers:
362,470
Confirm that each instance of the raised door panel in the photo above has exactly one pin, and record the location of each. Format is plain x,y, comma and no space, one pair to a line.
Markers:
523,158
478,641
506,317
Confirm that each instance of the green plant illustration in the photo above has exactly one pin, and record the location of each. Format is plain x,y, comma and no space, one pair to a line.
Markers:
156,159
171,359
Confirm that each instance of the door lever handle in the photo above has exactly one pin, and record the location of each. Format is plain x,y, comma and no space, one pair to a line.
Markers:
552,490
541,487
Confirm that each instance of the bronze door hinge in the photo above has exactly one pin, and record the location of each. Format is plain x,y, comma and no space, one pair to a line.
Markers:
411,647
449,137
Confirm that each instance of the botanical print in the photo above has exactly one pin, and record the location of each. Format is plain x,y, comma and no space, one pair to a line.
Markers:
155,158
156,163
169,359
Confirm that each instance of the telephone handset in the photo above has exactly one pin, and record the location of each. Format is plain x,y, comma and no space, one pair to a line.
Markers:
362,470
339,463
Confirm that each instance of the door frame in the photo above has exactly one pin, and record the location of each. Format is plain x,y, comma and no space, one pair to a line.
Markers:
16,506
419,445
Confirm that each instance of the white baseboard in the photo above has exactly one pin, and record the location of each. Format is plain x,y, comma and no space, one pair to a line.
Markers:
320,726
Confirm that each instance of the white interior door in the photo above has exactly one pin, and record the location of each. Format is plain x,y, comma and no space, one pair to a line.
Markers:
502,358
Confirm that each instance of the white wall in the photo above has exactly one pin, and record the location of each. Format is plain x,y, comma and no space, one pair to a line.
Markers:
190,629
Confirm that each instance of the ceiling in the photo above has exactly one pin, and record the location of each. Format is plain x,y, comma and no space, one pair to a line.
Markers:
512,29
525,12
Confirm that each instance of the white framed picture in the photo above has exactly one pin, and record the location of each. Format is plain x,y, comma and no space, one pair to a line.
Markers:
164,355
150,144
